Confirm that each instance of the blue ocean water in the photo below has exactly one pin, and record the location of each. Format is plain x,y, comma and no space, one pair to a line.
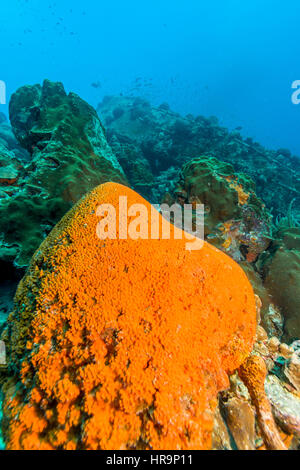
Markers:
236,60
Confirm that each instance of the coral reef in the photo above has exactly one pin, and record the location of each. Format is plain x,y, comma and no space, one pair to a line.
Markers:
235,219
7,291
237,222
286,405
292,367
69,155
162,139
280,267
101,341
9,141
271,377
12,159
271,317
105,351
11,169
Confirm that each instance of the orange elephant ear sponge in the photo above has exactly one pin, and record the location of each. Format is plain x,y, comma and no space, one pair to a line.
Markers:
122,343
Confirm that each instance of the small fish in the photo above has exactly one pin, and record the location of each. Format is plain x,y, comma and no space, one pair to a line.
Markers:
96,84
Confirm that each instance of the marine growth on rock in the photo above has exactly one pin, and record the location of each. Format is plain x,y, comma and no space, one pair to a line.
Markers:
122,343
68,156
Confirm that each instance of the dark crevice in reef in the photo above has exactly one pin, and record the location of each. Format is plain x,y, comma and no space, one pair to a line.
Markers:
10,276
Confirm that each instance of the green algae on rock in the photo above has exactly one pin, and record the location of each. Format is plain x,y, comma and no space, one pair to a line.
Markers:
236,220
69,156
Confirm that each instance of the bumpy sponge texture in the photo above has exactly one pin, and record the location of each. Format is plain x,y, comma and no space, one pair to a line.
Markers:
122,344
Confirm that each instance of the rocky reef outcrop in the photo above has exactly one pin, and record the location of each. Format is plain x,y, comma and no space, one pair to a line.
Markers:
12,158
8,140
236,220
74,372
280,267
261,408
119,357
155,139
69,155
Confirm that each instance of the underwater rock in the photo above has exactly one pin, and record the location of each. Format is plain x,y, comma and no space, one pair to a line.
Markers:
270,317
69,155
236,221
138,171
11,168
263,372
164,183
292,369
273,320
106,352
130,133
7,136
285,405
280,267
240,419
221,439
7,291
163,139
2,353
9,141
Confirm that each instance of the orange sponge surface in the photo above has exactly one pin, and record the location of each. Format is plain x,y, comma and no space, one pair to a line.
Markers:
122,344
